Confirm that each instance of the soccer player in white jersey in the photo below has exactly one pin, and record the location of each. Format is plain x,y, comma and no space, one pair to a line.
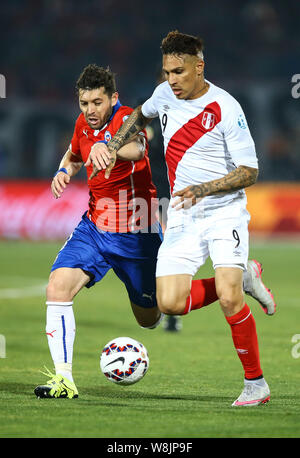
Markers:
211,158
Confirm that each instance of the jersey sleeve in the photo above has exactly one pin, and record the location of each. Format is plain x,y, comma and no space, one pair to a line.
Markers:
237,136
149,108
74,145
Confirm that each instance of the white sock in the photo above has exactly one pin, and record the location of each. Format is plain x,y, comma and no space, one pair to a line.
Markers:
260,381
60,329
64,369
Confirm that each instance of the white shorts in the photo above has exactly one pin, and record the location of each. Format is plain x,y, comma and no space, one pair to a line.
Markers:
223,235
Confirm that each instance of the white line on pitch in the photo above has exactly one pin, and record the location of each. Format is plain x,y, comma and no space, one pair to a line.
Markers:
25,291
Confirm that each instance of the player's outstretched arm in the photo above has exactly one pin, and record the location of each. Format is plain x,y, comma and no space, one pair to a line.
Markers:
68,167
129,129
240,178
101,158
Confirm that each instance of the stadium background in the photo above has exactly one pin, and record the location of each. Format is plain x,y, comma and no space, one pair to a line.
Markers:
252,49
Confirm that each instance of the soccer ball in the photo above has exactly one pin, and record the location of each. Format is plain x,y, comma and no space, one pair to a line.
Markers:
124,361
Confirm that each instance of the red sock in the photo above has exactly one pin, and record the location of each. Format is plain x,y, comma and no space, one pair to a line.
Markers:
243,330
203,292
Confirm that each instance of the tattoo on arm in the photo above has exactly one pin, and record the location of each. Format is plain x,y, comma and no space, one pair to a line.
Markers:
240,178
129,129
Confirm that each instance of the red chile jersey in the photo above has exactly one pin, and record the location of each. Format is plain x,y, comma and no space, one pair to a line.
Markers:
126,201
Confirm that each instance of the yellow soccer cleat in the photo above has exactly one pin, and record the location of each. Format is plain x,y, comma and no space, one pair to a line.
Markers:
57,387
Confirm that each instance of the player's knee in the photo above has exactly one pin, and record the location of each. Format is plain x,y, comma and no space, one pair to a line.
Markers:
169,304
231,303
172,293
57,290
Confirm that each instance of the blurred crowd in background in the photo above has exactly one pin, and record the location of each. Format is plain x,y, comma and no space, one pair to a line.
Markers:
252,49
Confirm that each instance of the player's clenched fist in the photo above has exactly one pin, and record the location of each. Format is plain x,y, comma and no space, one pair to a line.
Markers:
59,183
188,196
101,158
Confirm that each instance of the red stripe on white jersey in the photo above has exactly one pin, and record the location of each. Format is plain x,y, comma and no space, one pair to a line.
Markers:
188,135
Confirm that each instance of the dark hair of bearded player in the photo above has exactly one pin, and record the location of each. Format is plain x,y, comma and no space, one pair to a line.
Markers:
94,77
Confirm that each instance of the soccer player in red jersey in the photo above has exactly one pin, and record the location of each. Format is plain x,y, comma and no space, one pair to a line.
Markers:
120,229
211,158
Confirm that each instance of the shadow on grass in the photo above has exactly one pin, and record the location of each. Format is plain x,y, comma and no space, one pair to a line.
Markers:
109,396
14,388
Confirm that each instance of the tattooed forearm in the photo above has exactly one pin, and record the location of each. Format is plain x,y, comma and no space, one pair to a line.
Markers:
240,178
129,129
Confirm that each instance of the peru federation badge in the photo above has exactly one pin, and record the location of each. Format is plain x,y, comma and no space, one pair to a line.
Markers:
208,120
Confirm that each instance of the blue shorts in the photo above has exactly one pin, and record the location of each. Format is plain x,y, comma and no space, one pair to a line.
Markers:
132,256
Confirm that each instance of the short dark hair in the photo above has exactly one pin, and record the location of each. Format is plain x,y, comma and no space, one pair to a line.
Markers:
94,77
180,43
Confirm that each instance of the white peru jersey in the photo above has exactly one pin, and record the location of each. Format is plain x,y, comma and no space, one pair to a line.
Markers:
204,139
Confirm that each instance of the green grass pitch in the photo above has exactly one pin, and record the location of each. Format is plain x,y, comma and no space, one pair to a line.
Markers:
194,375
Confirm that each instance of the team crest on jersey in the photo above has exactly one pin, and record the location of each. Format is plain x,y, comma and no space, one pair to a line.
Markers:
107,136
208,120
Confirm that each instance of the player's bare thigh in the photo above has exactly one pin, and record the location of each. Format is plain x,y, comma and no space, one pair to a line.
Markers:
64,283
172,292
229,288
